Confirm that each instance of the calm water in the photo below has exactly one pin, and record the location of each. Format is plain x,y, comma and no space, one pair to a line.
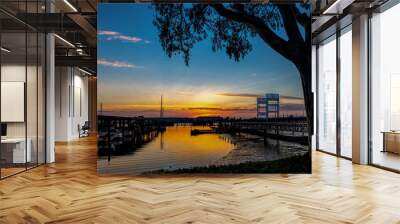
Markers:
173,149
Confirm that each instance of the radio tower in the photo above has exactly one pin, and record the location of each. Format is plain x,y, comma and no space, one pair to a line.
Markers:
161,108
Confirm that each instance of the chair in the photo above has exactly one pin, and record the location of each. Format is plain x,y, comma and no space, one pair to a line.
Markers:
84,130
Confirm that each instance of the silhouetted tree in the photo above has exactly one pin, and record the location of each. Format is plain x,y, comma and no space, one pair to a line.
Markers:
230,25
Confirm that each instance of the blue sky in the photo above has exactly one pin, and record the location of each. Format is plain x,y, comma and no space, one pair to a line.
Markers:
134,70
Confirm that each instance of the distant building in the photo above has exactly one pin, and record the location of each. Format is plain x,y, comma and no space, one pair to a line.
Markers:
268,106
208,118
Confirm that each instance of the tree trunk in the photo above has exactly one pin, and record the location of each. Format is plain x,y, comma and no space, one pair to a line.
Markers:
304,68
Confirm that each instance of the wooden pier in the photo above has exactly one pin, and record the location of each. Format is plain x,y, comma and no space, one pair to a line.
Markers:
195,132
119,135
283,130
287,130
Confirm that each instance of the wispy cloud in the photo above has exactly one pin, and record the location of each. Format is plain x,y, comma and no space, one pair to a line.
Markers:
117,64
125,38
112,35
292,98
108,33
240,94
282,97
186,93
221,109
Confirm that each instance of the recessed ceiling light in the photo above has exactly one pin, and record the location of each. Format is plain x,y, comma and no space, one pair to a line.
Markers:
5,50
64,40
70,5
84,71
326,11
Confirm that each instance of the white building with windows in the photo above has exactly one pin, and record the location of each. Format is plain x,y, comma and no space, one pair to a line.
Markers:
268,106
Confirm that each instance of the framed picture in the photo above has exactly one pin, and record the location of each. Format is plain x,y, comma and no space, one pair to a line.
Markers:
204,88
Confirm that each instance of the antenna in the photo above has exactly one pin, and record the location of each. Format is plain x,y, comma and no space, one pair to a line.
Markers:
161,108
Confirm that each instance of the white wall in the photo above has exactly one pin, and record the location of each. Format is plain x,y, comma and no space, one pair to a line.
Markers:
14,72
71,94
62,82
80,110
33,126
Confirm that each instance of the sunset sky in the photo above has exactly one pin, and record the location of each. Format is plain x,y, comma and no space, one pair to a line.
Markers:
134,71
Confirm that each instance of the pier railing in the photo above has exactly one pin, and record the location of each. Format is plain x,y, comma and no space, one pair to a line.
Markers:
119,135
296,131
291,128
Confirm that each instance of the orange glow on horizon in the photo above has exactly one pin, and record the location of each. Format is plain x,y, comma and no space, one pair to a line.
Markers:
179,110
195,105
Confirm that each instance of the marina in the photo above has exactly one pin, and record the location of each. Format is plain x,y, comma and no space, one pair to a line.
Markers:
137,145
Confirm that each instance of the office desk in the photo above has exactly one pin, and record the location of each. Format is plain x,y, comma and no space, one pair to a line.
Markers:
391,141
16,147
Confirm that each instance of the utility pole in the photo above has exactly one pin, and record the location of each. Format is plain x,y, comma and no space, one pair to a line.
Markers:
161,108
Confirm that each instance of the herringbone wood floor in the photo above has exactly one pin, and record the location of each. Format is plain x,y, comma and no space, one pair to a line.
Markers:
70,191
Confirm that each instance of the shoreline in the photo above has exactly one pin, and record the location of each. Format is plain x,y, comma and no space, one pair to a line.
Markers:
250,155
251,148
293,165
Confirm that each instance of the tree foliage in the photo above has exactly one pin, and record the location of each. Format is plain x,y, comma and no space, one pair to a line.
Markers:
283,27
228,26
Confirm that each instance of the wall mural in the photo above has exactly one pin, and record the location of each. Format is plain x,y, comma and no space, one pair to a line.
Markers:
204,88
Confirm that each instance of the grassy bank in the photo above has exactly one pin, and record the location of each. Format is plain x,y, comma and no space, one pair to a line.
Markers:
296,164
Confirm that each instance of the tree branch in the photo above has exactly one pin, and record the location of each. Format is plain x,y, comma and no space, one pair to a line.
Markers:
290,23
304,20
272,39
301,18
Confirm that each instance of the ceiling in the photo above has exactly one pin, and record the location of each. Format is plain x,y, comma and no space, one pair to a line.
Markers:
74,22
